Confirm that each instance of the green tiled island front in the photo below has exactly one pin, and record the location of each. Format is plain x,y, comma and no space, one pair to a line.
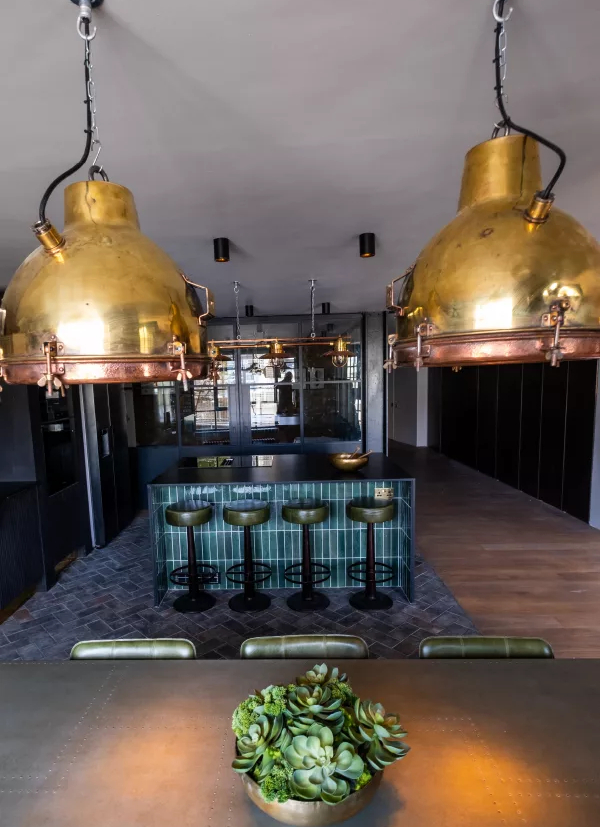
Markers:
337,542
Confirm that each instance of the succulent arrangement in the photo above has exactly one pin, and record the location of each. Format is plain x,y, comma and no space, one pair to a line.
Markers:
314,740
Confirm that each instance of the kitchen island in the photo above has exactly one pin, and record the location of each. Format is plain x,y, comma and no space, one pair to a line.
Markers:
337,542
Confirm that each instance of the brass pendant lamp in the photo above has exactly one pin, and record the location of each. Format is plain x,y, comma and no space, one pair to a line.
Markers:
340,353
276,355
511,278
100,302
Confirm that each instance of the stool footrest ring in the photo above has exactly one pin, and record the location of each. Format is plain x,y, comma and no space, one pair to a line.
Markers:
383,572
257,574
181,575
319,573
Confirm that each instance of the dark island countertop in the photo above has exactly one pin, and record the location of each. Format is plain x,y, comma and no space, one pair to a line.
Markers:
284,468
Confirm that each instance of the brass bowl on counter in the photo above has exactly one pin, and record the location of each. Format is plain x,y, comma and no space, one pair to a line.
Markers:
348,462
313,813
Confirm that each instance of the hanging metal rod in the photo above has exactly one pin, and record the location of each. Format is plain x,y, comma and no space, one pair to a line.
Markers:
318,340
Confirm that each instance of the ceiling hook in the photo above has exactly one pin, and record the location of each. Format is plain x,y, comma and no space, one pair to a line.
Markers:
498,17
81,30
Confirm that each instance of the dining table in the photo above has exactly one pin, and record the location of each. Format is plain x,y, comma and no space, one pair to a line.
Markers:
128,743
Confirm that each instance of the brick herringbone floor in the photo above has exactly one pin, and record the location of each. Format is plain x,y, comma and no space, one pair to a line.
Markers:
109,595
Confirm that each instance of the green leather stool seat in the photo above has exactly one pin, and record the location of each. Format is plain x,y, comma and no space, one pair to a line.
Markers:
246,512
305,646
485,647
163,649
305,512
370,510
188,513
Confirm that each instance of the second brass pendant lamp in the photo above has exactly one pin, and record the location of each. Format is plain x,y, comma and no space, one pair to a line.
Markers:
99,301
510,278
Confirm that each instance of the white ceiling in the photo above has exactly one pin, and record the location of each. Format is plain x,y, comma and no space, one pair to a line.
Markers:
290,127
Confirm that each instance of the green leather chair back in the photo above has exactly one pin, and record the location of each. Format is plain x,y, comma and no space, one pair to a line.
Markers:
485,647
163,649
305,646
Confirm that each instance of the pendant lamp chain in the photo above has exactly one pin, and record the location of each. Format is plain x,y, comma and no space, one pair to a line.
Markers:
236,291
501,35
91,97
312,308
91,131
501,99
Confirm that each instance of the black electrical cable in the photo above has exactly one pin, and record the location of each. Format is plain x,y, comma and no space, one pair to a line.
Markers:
88,140
508,122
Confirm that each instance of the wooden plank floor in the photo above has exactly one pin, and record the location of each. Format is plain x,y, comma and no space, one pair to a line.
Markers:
516,565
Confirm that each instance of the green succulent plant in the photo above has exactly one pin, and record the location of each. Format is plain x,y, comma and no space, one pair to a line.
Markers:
276,786
320,674
272,700
314,740
321,771
381,730
260,746
244,715
307,705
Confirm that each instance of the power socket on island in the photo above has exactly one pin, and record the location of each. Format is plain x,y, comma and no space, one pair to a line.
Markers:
384,493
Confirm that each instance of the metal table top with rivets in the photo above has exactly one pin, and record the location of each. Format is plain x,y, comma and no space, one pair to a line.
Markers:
149,743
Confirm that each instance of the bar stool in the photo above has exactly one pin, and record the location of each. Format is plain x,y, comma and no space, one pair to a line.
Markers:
187,514
307,574
370,511
247,513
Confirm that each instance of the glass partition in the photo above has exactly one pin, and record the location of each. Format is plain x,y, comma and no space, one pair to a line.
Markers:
332,412
205,414
252,402
155,412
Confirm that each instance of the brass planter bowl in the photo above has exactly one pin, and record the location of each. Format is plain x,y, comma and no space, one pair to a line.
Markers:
347,462
312,813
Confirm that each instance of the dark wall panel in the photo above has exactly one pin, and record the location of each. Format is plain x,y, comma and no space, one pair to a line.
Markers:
552,437
530,426
508,446
21,563
579,438
459,410
487,407
531,417
17,462
118,422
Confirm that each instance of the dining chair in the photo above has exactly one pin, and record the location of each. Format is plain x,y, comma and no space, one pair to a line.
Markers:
485,647
305,646
144,649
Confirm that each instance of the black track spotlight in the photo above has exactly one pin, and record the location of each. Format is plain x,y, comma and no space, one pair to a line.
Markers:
221,246
367,245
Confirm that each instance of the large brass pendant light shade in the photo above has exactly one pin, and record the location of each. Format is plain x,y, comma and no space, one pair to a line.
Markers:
100,302
510,279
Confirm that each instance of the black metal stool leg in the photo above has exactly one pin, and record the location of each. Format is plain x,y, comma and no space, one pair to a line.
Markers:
308,600
250,600
194,588
370,598
197,599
